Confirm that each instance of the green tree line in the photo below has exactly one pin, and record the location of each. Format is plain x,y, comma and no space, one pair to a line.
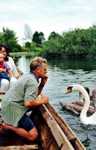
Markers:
75,43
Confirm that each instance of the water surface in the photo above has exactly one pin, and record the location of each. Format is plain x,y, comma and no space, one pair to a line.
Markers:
63,73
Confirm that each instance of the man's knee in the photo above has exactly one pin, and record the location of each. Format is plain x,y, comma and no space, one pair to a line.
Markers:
33,134
4,85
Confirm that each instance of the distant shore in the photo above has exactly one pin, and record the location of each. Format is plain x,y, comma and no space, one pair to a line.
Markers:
19,54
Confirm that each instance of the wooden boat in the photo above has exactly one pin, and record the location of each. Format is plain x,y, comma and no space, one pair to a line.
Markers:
76,107
54,133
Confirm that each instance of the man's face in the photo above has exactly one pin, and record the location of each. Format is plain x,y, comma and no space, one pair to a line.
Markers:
42,70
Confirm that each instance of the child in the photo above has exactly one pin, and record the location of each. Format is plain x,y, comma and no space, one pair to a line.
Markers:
5,72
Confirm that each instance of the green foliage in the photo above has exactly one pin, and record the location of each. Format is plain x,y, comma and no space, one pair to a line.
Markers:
27,45
53,47
38,38
8,38
32,47
77,43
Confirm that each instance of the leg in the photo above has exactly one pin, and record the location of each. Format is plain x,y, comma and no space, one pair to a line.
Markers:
1,128
4,85
26,128
29,135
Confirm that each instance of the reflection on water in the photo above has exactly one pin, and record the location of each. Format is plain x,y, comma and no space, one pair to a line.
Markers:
61,74
85,64
22,64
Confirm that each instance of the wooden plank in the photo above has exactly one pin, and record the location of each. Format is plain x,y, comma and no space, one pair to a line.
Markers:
57,132
67,130
22,147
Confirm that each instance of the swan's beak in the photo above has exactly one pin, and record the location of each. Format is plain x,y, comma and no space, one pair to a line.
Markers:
69,90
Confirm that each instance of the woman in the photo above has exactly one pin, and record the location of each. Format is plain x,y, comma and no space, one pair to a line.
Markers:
9,60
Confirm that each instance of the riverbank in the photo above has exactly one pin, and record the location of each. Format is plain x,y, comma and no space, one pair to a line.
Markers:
50,57
19,54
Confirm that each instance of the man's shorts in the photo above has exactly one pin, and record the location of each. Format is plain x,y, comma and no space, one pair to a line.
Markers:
26,123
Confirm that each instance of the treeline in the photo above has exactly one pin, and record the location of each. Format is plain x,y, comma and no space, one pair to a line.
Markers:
76,43
8,37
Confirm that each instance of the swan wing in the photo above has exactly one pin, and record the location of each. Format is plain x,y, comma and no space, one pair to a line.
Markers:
91,120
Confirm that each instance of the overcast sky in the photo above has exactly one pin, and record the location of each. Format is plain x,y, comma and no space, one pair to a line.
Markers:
47,15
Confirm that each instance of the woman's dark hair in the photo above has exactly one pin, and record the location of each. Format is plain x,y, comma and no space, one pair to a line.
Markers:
7,50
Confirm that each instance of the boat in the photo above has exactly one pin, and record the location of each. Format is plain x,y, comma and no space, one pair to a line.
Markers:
54,133
75,107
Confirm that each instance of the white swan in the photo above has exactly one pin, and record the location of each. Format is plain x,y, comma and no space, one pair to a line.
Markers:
88,120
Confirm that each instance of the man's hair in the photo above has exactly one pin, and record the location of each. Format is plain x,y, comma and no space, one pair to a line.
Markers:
36,62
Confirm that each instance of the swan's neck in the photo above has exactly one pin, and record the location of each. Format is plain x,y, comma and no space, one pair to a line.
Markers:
87,101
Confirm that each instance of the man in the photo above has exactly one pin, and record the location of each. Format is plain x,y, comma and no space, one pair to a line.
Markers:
22,96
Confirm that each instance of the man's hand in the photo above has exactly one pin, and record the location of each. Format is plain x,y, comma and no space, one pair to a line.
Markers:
44,80
43,99
42,83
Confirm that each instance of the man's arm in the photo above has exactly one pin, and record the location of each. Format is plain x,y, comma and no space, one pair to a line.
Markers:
10,73
36,102
2,70
41,85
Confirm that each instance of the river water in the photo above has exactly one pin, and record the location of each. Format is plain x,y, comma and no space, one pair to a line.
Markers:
61,74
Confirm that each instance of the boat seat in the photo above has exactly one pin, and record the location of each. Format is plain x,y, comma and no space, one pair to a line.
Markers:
20,147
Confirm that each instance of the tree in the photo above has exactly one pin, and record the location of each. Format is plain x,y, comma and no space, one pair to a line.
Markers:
53,35
8,37
41,37
38,38
27,45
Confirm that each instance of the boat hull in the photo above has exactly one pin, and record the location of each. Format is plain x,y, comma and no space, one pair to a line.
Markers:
54,132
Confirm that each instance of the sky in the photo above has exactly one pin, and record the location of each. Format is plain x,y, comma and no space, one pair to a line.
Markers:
46,15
